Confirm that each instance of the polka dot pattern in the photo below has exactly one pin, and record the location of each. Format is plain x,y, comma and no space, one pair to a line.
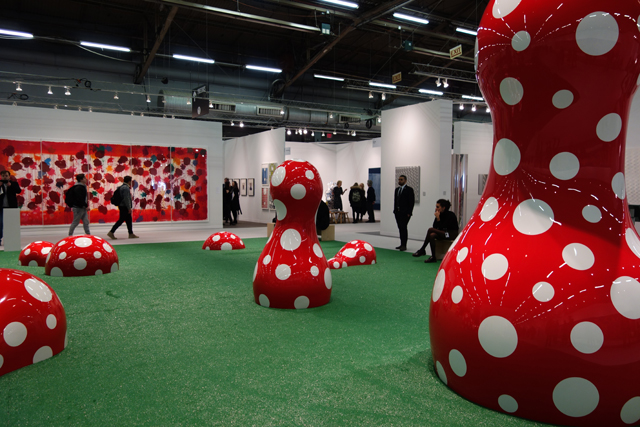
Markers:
587,337
462,255
456,294
609,127
631,237
625,296
630,413
495,266
290,240
592,214
502,8
497,336
618,185
438,286
301,302
506,157
564,166
543,291
266,260
458,363
511,91
42,353
576,397
314,271
281,209
507,403
298,191
578,256
52,322
278,176
597,33
327,279
562,99
533,217
489,209
38,290
264,301
14,334
283,272
441,373
520,41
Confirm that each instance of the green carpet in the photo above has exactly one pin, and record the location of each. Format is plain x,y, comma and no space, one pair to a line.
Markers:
175,339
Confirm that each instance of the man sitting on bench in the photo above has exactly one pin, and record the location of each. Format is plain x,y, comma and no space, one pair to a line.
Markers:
445,226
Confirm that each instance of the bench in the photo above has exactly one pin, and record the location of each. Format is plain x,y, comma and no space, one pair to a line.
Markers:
442,246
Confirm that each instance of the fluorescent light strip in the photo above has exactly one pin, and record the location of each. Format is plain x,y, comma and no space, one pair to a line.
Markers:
320,76
105,46
410,18
475,98
16,34
431,92
464,30
195,59
267,69
343,3
374,84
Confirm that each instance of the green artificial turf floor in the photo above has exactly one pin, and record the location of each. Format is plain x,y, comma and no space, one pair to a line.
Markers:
175,339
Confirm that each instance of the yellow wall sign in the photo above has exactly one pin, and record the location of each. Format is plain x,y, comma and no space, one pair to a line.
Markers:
455,52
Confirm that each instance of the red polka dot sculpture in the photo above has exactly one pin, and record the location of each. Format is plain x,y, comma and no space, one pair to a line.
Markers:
32,320
536,308
223,241
81,256
292,270
356,252
35,254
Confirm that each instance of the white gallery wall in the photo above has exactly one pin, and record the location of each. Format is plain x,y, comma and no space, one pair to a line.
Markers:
37,124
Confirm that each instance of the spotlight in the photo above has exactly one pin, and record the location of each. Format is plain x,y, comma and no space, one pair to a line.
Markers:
282,111
116,96
288,131
462,106
323,134
379,119
210,104
331,115
148,98
49,92
67,91
473,108
313,133
232,124
132,113
354,133
241,124
446,83
141,114
173,117
79,108
438,82
189,101
90,110
304,131
164,116
18,88
488,109
384,96
370,95
55,107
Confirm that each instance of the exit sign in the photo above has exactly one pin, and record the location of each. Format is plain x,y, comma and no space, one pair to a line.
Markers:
396,78
455,52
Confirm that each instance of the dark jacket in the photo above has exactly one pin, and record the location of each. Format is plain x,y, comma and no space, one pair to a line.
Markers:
403,203
337,198
12,190
355,205
448,222
322,217
235,199
79,195
371,195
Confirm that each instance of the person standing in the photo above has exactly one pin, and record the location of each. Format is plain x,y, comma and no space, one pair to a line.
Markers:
226,201
363,201
80,204
403,201
371,199
125,210
9,189
337,196
355,201
235,203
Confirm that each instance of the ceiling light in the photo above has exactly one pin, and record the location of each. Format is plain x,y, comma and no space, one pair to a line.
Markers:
232,124
410,18
189,101
473,108
67,91
141,114
15,104
379,119
322,133
195,59
132,113
354,133
304,131
462,106
148,98
488,109
79,108
438,82
383,96
446,83
210,104
343,3
382,85
288,131
106,46
18,88
49,92
370,95
116,96
16,34
331,115
173,117
241,124
430,92
313,133
90,110
55,107
164,116
475,98
464,30
267,69
320,76
282,111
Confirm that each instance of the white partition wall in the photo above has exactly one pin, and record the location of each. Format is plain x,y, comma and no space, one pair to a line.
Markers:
322,156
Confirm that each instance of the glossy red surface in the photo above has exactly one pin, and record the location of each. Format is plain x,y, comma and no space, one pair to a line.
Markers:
32,320
35,254
223,241
83,255
356,252
292,270
536,308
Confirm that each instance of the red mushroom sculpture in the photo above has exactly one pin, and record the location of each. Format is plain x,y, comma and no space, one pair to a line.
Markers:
536,308
35,254
81,256
223,241
292,270
32,320
356,252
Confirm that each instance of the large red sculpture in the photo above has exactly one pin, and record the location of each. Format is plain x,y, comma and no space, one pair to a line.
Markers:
536,308
292,270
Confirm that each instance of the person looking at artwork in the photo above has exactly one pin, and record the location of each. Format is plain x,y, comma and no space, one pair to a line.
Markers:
235,203
355,200
371,199
125,209
79,204
337,196
445,226
226,201
403,201
9,189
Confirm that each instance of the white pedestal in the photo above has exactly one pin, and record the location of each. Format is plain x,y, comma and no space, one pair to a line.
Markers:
11,232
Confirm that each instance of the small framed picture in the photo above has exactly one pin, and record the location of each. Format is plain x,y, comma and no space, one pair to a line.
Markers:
265,197
243,186
250,185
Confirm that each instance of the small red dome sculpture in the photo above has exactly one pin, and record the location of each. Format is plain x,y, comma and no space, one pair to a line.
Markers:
32,320
356,252
292,270
223,241
35,254
536,308
83,255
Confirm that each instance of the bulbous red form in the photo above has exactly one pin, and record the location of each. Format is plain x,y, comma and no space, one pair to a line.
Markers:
536,308
35,254
32,320
223,241
83,255
356,252
292,270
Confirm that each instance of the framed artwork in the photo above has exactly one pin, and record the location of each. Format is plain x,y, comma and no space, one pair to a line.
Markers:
250,185
243,186
265,174
265,197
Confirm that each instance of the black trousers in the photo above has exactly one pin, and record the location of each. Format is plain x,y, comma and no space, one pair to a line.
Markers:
125,216
370,212
403,221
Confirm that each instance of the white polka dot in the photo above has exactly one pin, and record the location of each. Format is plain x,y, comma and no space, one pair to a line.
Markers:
630,413
233,236
47,260
97,255
373,262
368,247
98,272
241,242
362,259
264,301
564,166
441,374
597,33
344,264
511,90
255,272
281,209
475,55
489,209
27,252
80,264
578,256
562,99
462,254
520,41
314,271
298,191
63,255
14,334
56,272
438,286
301,302
587,337
309,174
38,290
508,403
349,253
42,353
495,266
83,242
216,238
115,267
278,176
52,322
46,250
107,247
506,157
266,260
625,296
290,240
609,127
283,271
336,264
1,361
456,294
502,8
533,217
317,250
62,242
327,278
226,246
457,363
592,214
33,263
618,185
543,291
632,240
497,336
575,397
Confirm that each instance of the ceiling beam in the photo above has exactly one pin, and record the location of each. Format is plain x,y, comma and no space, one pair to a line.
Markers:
156,46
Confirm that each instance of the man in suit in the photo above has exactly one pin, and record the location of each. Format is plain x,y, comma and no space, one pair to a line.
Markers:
403,201
8,192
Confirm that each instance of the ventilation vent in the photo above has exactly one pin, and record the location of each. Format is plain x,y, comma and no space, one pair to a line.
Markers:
349,119
271,112
225,108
